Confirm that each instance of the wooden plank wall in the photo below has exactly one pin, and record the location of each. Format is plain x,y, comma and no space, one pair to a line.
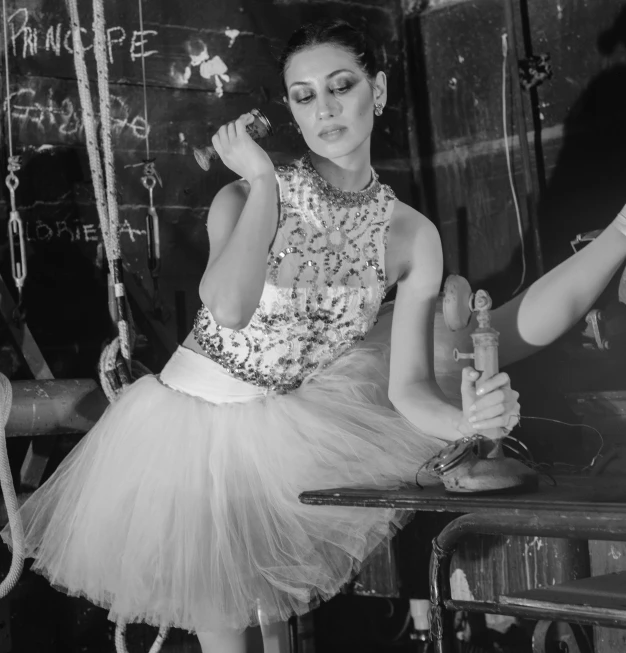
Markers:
457,47
206,63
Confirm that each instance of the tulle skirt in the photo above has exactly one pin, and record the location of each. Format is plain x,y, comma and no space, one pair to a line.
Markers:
181,507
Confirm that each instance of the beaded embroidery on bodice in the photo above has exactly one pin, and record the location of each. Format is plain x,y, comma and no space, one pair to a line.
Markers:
324,284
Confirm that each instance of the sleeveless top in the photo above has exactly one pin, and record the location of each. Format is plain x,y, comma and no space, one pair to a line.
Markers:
324,283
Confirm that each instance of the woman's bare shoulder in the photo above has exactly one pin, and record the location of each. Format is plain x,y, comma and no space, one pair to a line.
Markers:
413,240
406,218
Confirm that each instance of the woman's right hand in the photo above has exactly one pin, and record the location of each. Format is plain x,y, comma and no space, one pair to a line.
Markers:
488,404
240,152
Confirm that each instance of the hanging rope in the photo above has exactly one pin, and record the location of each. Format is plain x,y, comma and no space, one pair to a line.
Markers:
89,125
8,492
106,202
120,639
104,186
115,262
518,214
112,372
143,77
15,227
149,180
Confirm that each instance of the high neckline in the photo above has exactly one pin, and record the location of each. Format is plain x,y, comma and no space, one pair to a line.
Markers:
336,196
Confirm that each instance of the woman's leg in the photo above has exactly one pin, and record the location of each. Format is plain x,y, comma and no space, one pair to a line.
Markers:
275,634
275,637
224,641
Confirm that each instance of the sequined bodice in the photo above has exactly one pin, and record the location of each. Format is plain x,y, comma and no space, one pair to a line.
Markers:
324,284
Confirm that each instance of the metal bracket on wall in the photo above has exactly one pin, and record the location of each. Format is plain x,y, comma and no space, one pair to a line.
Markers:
535,70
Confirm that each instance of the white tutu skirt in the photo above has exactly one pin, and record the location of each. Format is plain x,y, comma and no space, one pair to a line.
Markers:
180,507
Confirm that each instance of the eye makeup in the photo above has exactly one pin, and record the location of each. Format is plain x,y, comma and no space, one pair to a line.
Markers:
339,85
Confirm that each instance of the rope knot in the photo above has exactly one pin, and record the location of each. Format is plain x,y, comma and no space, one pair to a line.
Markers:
15,163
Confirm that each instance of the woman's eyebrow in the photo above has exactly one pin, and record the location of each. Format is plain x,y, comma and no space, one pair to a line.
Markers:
335,72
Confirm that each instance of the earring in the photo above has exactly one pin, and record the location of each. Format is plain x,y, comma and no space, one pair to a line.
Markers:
378,109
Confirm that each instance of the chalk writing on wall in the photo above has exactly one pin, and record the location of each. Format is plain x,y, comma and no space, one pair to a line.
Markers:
74,231
209,67
63,119
232,35
29,38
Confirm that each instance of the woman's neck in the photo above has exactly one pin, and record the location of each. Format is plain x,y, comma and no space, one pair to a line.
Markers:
350,173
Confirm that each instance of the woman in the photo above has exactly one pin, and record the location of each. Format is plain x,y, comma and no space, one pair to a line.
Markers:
181,506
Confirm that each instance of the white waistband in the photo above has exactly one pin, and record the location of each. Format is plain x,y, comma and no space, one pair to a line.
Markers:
199,376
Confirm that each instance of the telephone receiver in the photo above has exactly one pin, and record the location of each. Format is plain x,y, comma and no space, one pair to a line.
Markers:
477,463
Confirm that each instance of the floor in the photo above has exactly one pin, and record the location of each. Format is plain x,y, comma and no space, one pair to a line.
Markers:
43,620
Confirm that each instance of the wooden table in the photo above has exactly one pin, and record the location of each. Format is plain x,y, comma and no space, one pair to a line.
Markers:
588,508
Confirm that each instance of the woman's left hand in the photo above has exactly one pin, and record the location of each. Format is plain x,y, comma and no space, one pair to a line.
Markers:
488,404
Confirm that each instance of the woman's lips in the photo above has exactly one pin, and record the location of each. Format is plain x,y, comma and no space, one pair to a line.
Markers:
333,133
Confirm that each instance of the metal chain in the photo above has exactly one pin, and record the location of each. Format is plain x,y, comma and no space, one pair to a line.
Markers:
149,180
15,227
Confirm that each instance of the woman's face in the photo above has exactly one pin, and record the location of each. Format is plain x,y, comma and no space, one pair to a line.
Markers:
332,99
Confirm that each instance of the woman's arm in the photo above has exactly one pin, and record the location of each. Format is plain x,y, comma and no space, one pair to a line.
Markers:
242,223
556,301
412,386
